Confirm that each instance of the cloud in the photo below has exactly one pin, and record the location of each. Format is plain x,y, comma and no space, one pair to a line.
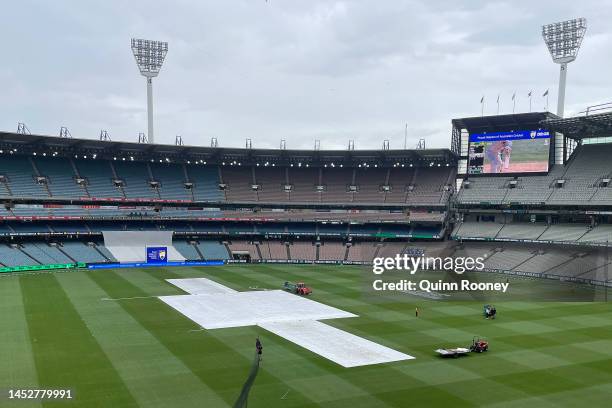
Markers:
301,71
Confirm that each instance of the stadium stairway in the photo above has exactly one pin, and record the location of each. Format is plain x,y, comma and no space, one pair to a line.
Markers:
78,175
187,250
105,253
44,185
30,257
116,177
197,248
82,252
59,248
12,255
258,250
5,189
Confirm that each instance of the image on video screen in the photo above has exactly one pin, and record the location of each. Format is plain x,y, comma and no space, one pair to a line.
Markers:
509,152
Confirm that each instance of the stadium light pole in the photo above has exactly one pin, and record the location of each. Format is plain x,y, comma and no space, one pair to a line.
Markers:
563,40
149,57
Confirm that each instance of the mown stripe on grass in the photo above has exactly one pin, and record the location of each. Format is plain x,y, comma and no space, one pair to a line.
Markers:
65,353
154,376
405,373
448,322
221,367
17,368
147,281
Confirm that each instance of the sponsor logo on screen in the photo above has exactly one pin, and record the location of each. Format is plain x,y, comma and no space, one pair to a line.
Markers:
157,254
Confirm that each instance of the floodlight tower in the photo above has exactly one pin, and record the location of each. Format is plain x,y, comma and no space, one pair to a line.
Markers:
563,40
149,57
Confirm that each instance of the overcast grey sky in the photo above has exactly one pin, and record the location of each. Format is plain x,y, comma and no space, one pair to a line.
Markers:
294,70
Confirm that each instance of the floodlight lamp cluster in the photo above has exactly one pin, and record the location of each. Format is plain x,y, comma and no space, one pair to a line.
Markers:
149,56
563,39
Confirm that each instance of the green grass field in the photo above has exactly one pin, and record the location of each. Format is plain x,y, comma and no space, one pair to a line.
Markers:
58,332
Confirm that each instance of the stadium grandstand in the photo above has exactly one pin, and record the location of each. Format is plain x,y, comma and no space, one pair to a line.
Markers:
262,205
60,194
554,223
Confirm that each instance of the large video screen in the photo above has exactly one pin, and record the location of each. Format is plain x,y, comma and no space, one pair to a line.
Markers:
522,151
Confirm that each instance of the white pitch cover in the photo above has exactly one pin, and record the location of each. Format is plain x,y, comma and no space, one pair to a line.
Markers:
200,286
294,318
334,344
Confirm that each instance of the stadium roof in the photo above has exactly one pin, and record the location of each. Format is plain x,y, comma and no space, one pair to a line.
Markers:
577,127
582,127
30,144
502,123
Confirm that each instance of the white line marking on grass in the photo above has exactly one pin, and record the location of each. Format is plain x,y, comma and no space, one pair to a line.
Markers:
285,395
431,295
130,298
42,272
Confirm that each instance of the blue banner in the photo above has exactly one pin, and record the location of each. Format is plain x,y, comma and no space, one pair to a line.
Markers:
512,135
147,265
157,255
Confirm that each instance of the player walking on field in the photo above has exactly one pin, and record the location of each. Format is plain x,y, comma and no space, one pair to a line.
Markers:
259,347
498,154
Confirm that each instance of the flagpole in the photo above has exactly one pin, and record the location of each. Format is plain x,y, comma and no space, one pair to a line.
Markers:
513,101
498,104
530,92
482,106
